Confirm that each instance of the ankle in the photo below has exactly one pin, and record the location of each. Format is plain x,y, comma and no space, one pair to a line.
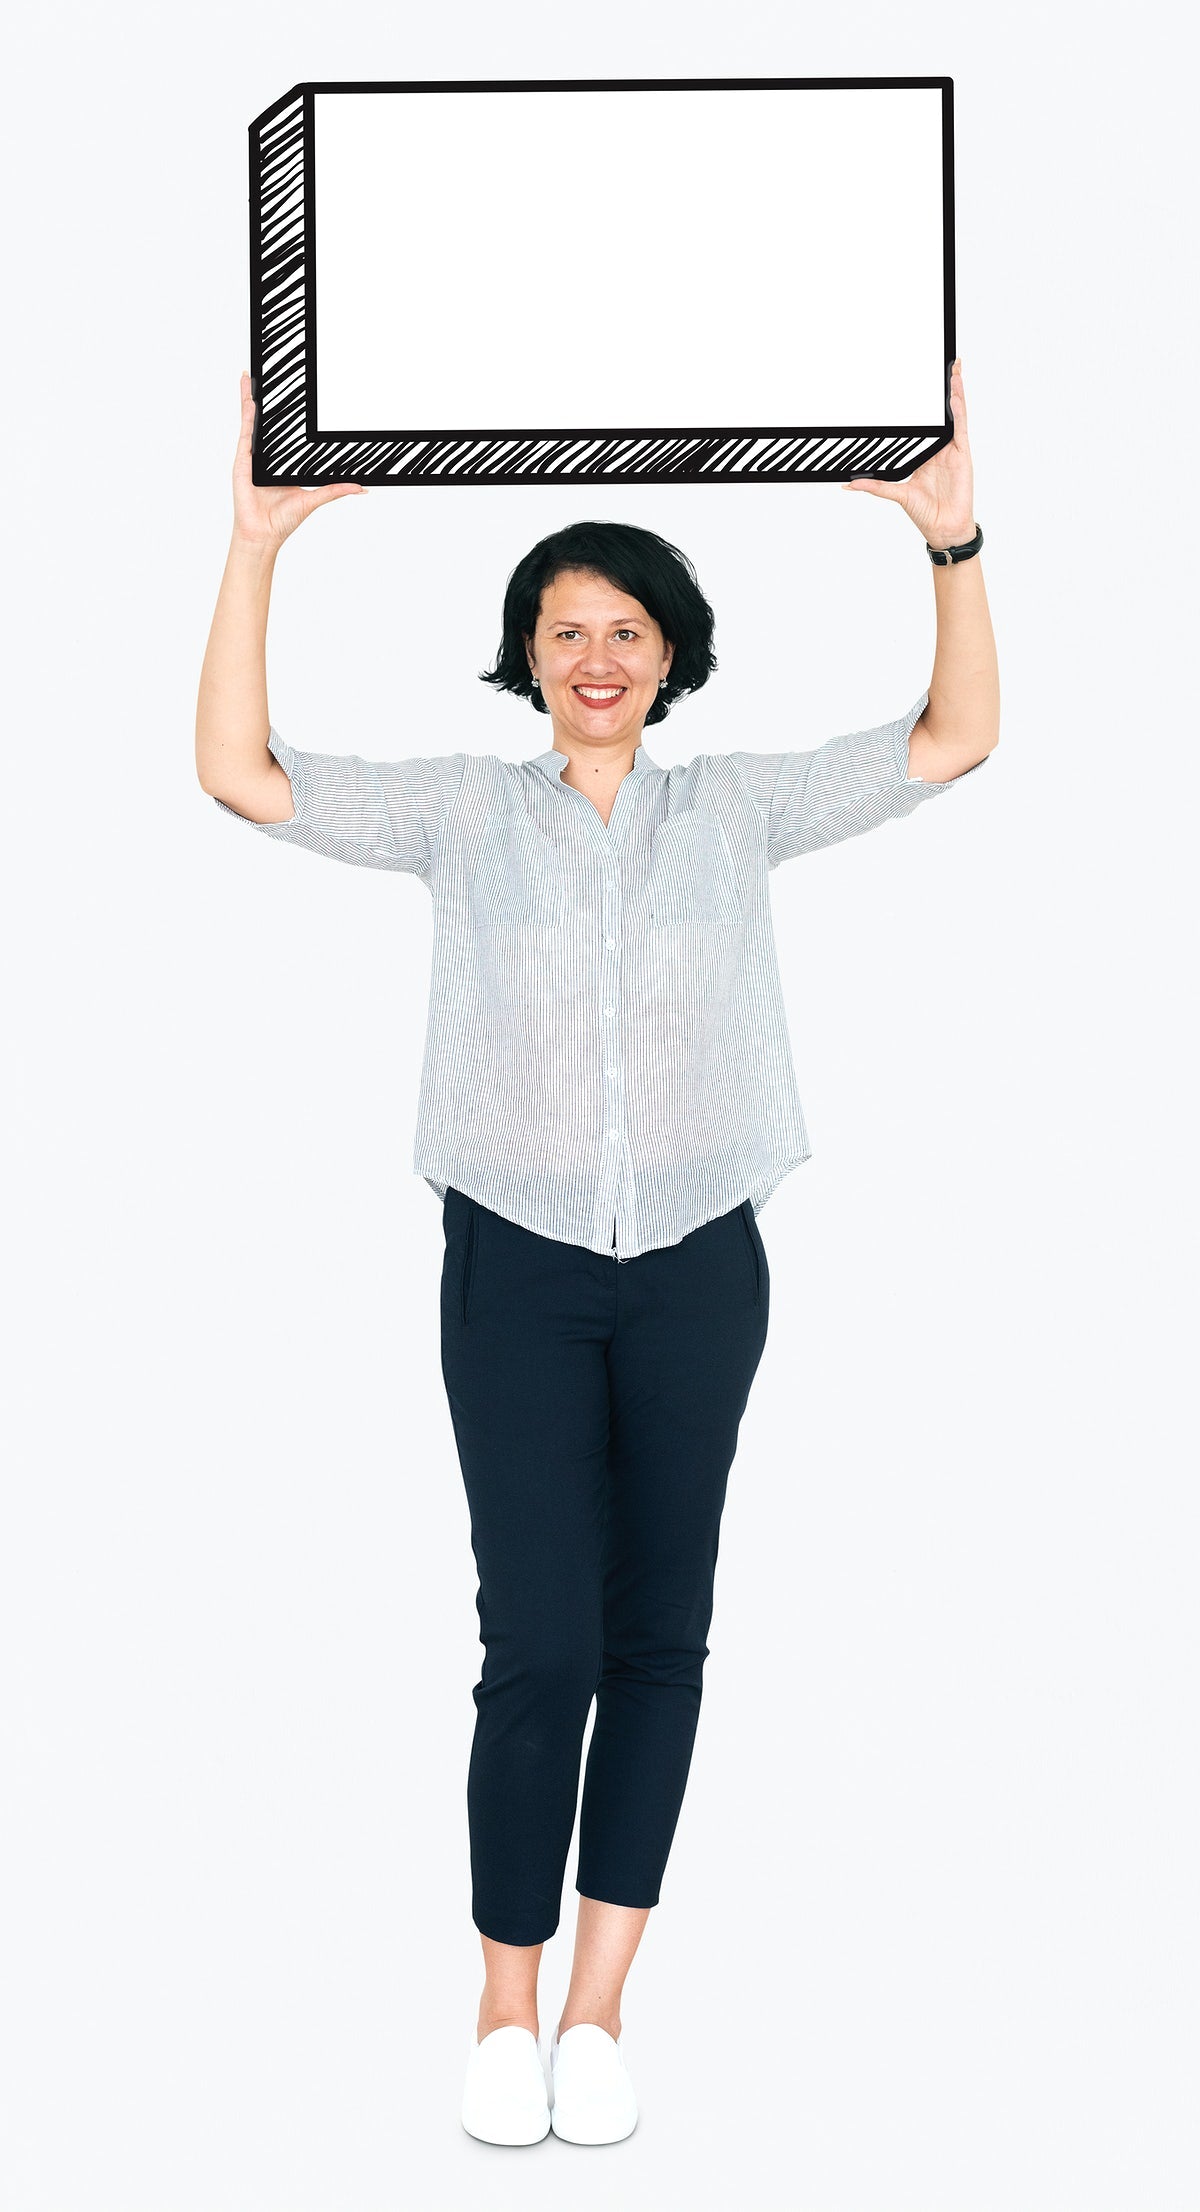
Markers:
519,2017
574,2016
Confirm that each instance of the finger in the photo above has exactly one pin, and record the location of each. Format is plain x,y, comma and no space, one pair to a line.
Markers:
958,400
873,484
335,491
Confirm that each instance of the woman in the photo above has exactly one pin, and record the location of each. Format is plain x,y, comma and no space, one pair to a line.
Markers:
607,1101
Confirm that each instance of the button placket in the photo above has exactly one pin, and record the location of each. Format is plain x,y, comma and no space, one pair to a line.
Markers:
612,1070
609,1049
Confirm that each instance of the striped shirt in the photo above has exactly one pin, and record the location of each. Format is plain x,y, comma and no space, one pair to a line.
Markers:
606,1057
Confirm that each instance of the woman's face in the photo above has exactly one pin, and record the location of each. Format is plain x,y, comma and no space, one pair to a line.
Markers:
593,638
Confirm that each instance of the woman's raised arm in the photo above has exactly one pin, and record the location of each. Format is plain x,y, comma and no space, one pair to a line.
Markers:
232,719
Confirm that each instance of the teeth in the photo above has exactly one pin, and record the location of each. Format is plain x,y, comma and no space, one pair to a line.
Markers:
600,691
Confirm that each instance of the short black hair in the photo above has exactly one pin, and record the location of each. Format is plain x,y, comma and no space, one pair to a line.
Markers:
655,573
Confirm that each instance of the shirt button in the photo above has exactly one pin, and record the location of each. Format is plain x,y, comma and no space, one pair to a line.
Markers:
614,1132
610,940
608,1009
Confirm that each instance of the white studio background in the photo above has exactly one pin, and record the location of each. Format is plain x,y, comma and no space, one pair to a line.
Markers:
929,1923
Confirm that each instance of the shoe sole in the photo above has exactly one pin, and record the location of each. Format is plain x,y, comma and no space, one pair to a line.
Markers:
563,2136
508,2142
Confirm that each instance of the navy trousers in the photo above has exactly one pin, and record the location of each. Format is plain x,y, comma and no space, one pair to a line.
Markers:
596,1407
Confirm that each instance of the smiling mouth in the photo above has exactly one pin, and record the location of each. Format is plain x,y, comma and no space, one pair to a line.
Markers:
599,695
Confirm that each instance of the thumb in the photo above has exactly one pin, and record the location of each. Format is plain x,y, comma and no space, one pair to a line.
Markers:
873,484
335,491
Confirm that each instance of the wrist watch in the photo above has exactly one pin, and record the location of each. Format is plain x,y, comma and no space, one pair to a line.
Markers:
946,555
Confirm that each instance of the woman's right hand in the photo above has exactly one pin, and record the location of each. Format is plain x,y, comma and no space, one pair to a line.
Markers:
266,514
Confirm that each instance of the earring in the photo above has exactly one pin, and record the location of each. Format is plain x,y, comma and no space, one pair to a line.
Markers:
535,683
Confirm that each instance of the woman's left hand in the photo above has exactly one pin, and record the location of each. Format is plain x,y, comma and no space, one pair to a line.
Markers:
940,496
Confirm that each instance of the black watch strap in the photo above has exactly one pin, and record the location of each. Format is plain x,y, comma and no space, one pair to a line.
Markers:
945,556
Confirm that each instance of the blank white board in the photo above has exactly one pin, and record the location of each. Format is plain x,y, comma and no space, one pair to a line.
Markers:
642,281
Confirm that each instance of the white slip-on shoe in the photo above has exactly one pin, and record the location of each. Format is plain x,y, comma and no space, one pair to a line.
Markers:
504,2096
591,2095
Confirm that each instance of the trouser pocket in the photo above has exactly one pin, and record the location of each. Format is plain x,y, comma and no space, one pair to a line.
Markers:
468,1266
746,1217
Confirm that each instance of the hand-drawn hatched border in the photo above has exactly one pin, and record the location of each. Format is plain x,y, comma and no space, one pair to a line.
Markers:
289,450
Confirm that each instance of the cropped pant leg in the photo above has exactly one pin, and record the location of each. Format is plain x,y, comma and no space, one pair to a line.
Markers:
525,1323
691,1329
595,1407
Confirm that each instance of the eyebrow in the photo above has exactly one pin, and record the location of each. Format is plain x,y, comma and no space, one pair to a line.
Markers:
620,622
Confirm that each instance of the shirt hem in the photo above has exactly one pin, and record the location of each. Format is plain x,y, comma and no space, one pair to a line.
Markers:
439,1183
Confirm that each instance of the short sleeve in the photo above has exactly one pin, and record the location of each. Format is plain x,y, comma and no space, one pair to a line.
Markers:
840,789
371,813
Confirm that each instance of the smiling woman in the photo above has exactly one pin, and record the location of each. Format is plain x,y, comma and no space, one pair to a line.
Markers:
596,617
607,1103
604,605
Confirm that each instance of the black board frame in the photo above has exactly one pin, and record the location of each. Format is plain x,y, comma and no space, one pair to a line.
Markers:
288,449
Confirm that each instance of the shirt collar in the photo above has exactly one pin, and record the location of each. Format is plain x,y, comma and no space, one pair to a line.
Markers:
552,762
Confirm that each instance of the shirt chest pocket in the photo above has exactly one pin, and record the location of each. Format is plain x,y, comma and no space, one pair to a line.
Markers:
518,879
691,875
